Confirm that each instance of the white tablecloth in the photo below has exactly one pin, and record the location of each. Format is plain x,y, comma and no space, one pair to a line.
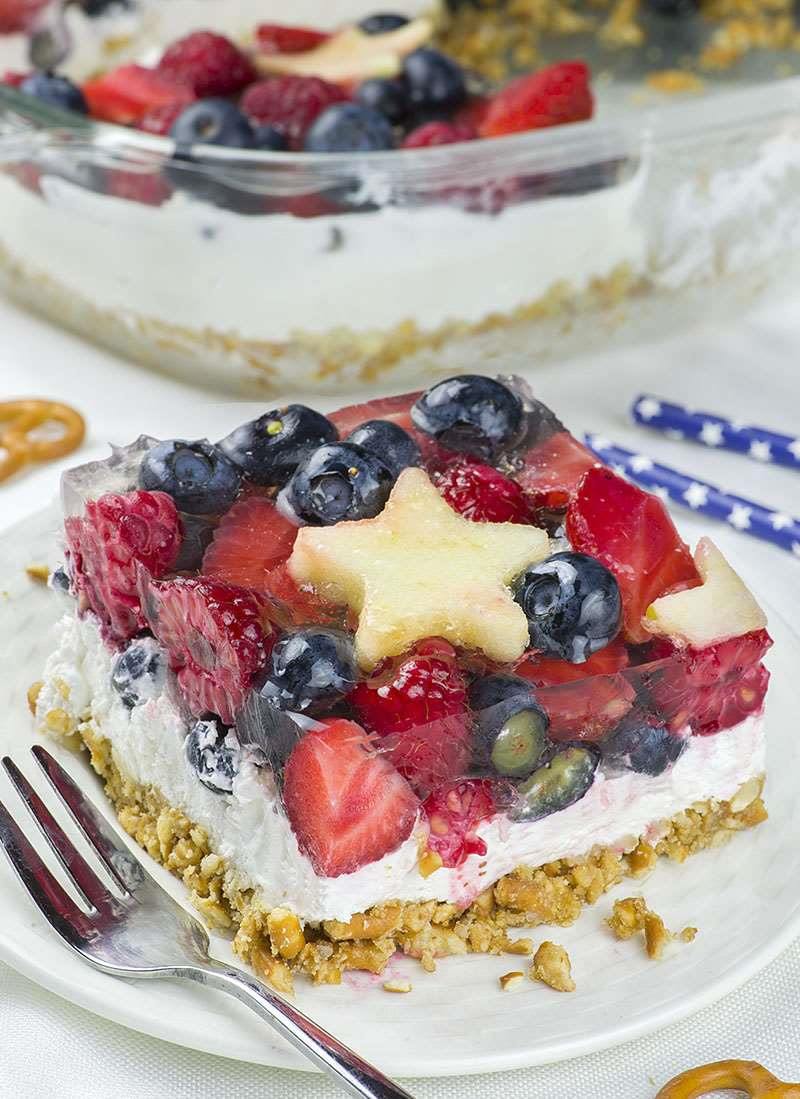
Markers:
49,1048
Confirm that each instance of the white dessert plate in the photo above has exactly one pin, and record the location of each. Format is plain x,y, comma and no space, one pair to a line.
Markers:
744,898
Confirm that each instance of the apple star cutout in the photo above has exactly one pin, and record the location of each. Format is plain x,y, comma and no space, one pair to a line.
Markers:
421,570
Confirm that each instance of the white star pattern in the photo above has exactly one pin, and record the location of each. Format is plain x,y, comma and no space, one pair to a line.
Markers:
661,493
599,442
738,425
740,517
648,408
640,463
794,449
673,433
711,434
620,471
796,549
780,521
696,495
762,452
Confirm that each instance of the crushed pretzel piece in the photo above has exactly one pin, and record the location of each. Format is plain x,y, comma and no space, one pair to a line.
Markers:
396,985
632,915
39,573
34,691
552,966
511,980
519,946
429,863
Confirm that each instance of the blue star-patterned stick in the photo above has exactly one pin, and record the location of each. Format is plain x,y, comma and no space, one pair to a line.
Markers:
715,431
672,486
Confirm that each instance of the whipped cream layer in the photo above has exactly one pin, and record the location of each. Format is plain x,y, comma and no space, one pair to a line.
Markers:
195,266
251,832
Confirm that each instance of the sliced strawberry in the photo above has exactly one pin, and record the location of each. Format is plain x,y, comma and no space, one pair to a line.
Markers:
473,112
216,637
252,539
347,805
281,38
553,96
106,545
631,532
709,689
547,671
483,494
454,811
418,709
551,471
13,79
586,709
127,94
250,548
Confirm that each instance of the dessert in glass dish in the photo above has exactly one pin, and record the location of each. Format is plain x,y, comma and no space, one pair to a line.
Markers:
377,199
402,678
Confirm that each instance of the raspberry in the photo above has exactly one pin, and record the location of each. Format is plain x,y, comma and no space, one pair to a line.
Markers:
279,38
290,103
115,535
147,188
439,133
160,119
215,636
483,494
419,711
454,811
208,63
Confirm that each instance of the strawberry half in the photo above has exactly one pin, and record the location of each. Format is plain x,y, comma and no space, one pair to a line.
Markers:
128,94
551,471
551,97
106,545
347,805
250,548
454,811
632,534
419,712
216,638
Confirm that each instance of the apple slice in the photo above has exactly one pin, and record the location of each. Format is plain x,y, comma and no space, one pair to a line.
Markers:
351,55
721,607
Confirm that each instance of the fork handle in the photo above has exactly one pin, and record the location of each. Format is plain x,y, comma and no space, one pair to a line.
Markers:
328,1053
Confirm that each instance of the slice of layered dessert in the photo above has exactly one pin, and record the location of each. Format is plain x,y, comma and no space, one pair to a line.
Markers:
403,678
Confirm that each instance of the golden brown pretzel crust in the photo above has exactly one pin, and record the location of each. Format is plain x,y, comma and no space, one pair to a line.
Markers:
746,1076
19,419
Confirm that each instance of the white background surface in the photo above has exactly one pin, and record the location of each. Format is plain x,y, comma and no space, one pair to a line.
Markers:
49,1048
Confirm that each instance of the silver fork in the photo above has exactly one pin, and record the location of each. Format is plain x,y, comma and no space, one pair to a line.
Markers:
140,931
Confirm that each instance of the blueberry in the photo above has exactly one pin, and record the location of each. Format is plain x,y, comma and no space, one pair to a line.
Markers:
93,8
214,753
196,534
433,79
388,97
270,137
339,481
394,446
382,23
57,91
213,122
511,726
310,670
139,673
572,604
349,128
60,580
268,450
197,475
470,413
642,743
559,783
674,9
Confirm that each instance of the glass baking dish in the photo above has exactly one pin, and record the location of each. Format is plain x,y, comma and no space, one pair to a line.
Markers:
261,272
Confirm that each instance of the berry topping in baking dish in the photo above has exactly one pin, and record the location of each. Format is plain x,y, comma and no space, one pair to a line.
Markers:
372,612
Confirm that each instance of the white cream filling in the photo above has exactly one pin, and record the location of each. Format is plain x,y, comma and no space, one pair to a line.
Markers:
191,265
249,829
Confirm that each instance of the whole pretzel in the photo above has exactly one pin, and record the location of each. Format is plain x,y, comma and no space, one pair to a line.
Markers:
746,1076
19,419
